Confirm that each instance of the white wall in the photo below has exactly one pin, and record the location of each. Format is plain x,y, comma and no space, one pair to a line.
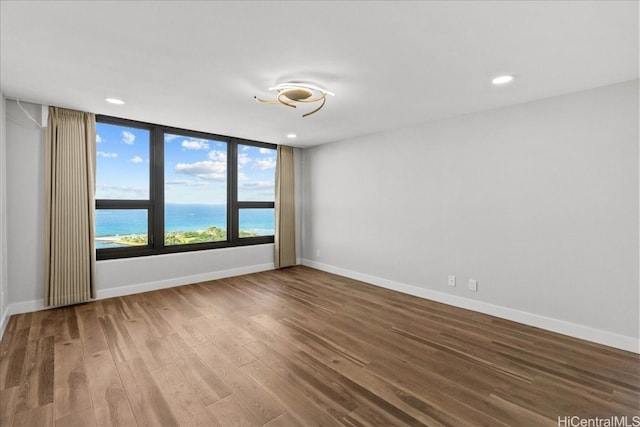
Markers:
3,218
538,202
25,219
25,203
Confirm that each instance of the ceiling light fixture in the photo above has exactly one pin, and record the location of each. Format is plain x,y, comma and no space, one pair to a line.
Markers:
114,101
290,93
292,135
502,80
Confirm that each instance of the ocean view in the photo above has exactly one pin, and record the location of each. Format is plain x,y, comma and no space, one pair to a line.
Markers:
179,217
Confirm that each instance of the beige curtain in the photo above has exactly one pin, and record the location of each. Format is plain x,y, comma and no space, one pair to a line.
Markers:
285,238
69,226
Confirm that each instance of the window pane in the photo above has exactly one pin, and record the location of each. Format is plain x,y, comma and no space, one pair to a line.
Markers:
118,228
256,174
194,223
195,190
122,162
257,222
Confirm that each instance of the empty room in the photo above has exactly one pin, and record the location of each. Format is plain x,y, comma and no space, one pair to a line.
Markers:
319,213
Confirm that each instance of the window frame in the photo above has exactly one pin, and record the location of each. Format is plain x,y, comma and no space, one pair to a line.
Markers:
155,204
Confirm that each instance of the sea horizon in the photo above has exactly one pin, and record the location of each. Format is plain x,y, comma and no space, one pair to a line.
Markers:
113,223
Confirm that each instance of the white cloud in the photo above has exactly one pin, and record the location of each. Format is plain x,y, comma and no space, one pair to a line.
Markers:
168,137
136,159
258,185
186,182
105,154
98,139
242,176
106,191
246,148
195,144
266,163
209,170
218,156
243,158
128,137
266,151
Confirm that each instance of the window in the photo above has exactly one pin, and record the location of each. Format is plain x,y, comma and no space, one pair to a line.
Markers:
122,185
256,190
195,190
162,190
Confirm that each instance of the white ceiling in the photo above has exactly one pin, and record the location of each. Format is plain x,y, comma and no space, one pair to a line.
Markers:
198,65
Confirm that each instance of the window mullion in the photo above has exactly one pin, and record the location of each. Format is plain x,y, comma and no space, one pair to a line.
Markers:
122,204
232,191
256,205
157,187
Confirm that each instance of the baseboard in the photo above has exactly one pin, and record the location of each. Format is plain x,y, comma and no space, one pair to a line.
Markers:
17,308
560,326
4,319
37,305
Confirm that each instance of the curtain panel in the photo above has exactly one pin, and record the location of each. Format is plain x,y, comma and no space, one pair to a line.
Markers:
285,235
69,224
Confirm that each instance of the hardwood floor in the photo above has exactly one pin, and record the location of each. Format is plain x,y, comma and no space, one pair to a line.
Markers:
299,347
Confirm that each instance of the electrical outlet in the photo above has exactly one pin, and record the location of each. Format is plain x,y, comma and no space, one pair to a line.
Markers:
318,253
452,280
473,285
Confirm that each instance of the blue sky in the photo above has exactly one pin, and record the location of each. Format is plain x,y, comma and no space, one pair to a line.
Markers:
195,169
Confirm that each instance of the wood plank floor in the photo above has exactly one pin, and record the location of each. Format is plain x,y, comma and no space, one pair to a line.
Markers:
299,347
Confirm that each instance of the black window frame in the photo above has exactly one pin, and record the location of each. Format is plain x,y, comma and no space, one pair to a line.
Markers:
155,204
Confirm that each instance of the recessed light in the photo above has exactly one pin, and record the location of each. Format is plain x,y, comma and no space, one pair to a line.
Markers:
114,101
291,135
502,80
